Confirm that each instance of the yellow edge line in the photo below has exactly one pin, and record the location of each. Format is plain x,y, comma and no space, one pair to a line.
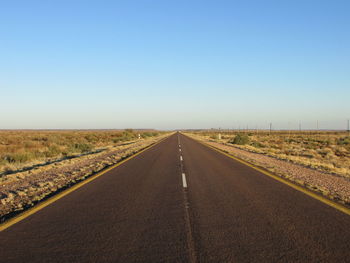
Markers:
289,183
58,196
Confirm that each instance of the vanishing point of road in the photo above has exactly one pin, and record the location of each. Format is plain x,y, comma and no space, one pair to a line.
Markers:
180,201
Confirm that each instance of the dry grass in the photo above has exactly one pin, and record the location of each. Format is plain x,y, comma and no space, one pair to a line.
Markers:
324,151
20,149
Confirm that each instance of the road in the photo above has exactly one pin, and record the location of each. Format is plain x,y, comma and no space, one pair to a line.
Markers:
184,203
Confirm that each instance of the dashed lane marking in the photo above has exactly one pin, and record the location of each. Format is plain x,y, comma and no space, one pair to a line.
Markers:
184,182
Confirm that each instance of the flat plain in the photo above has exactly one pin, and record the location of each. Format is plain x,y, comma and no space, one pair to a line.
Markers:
24,148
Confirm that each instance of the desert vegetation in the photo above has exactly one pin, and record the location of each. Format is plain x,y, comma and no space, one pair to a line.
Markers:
20,149
328,151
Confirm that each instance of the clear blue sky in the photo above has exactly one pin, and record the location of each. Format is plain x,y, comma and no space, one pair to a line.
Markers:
174,64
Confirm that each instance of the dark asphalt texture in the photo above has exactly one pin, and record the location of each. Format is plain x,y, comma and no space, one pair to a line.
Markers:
140,212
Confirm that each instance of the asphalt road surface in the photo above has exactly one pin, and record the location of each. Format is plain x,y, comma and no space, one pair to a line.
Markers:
184,203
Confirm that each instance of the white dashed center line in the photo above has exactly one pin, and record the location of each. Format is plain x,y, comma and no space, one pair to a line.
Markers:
190,241
184,182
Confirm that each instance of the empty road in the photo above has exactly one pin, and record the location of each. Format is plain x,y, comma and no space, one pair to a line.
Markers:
181,201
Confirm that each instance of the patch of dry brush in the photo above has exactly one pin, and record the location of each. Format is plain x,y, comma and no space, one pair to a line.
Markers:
24,149
325,151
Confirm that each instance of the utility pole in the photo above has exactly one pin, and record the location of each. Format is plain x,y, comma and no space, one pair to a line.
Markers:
300,126
348,126
270,127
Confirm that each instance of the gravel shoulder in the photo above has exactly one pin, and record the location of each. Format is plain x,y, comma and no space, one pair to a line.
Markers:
22,190
332,186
